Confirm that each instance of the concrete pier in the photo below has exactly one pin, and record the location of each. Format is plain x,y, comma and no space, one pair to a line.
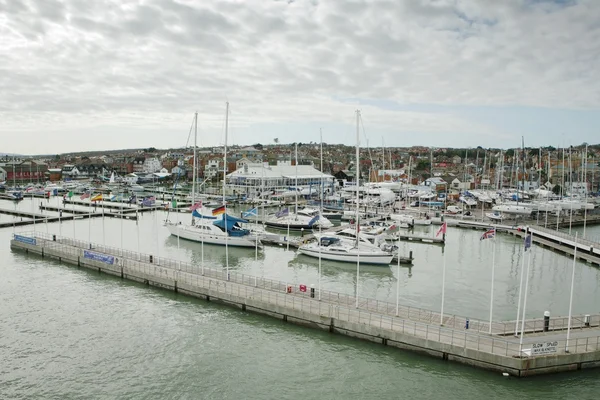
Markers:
403,327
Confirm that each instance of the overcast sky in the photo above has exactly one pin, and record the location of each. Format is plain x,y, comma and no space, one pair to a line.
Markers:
108,74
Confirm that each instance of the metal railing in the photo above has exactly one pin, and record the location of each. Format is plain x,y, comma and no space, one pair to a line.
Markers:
409,320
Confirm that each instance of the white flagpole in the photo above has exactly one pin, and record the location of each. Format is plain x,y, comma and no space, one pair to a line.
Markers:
73,203
90,228
121,224
492,289
443,282
520,288
357,206
398,283
571,296
103,229
59,220
137,227
525,297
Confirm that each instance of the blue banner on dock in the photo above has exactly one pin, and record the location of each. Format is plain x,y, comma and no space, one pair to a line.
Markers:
25,239
99,257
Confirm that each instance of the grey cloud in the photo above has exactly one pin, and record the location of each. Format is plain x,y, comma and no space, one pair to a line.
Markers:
281,61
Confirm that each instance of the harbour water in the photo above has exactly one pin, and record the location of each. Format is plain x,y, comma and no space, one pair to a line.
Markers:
69,333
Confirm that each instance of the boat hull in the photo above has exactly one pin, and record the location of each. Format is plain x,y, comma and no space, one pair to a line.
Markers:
195,235
376,259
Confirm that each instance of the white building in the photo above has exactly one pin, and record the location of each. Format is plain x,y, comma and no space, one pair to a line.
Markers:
280,176
151,164
130,179
70,171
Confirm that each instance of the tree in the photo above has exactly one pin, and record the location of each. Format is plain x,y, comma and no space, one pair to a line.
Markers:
276,140
258,146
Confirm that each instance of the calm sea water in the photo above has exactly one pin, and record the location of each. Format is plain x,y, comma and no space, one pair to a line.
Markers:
69,333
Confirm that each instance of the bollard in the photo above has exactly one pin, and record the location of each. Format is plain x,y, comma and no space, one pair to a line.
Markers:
546,321
54,238
151,258
312,291
301,232
467,324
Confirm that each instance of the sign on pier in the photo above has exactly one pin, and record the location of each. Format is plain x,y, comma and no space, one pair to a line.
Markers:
92,255
538,349
25,239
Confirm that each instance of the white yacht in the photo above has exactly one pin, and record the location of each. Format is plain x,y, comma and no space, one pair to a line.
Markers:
212,230
306,218
341,246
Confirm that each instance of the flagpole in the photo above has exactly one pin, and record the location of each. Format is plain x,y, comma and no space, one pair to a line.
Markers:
357,205
398,283
103,228
121,224
137,227
492,289
571,296
525,298
443,282
90,228
521,286
73,203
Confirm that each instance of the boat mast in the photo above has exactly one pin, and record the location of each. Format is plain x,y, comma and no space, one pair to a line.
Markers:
224,175
195,163
296,156
357,175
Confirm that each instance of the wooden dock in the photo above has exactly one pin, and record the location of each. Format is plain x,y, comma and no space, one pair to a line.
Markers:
382,322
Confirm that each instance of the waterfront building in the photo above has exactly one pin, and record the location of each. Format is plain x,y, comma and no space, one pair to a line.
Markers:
280,176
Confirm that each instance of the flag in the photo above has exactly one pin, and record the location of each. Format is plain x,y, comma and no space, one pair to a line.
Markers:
84,196
97,197
313,220
250,213
527,242
282,213
148,201
303,288
489,234
392,229
196,206
442,230
218,211
70,194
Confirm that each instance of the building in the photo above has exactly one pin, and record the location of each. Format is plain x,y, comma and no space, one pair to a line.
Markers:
138,164
151,165
344,176
25,171
277,177
69,171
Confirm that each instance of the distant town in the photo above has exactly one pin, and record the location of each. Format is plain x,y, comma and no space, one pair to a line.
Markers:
459,169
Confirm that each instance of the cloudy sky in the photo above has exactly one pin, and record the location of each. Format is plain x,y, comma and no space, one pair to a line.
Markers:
109,74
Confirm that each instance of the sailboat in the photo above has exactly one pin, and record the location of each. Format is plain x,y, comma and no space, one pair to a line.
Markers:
349,245
216,226
306,218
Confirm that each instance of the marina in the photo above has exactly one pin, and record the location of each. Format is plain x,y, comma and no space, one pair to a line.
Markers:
455,339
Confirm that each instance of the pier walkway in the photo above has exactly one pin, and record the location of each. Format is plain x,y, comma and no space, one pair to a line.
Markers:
408,327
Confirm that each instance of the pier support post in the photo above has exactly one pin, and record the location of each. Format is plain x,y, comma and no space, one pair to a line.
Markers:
175,286
331,326
121,272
